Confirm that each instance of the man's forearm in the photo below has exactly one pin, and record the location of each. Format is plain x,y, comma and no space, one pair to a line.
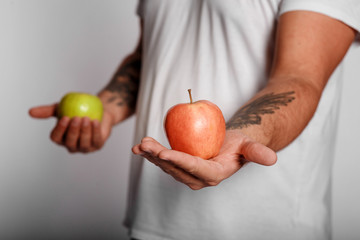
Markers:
277,114
120,95
305,56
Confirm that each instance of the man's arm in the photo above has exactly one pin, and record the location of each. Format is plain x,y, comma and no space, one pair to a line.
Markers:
119,99
120,95
309,46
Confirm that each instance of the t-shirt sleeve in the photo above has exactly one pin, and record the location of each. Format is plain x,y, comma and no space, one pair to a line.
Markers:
140,8
347,11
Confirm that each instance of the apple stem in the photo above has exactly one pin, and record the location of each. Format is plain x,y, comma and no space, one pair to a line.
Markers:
191,101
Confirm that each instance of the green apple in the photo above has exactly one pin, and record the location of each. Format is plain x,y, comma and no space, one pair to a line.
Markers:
77,104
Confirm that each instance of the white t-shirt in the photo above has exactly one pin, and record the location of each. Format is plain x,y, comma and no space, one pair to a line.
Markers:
222,50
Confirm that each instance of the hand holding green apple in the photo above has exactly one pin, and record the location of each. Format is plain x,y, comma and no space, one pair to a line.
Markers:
82,126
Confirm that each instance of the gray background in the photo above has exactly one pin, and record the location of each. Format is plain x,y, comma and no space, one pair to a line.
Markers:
50,47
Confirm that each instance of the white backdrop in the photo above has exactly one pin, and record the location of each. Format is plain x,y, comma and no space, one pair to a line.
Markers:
50,47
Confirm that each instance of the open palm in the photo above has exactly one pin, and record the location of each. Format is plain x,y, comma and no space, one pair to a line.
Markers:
198,173
76,134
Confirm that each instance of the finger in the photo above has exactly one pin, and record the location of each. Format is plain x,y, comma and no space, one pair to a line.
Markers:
152,151
208,171
182,176
43,111
97,138
85,136
258,153
57,134
150,145
177,173
106,125
73,134
136,150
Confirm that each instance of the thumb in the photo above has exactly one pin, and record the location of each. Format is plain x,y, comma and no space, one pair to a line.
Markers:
106,125
43,111
259,153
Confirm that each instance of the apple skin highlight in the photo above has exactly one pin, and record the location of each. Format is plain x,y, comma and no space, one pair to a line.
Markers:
197,128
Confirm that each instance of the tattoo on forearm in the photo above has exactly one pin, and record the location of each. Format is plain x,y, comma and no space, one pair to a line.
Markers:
125,82
251,113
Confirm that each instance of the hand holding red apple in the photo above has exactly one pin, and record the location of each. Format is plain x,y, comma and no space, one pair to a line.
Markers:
201,157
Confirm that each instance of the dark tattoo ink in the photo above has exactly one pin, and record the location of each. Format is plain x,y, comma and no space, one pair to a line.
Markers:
251,113
125,83
112,99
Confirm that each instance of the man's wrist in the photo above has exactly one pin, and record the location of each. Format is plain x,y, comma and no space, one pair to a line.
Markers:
116,112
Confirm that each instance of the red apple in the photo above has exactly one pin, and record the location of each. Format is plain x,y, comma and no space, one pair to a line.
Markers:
196,128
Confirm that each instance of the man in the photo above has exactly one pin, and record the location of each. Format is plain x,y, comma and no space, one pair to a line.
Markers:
270,66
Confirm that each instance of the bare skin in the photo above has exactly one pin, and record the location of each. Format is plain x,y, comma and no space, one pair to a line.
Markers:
309,46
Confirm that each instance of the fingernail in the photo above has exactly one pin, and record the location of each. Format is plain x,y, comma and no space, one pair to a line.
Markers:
164,158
